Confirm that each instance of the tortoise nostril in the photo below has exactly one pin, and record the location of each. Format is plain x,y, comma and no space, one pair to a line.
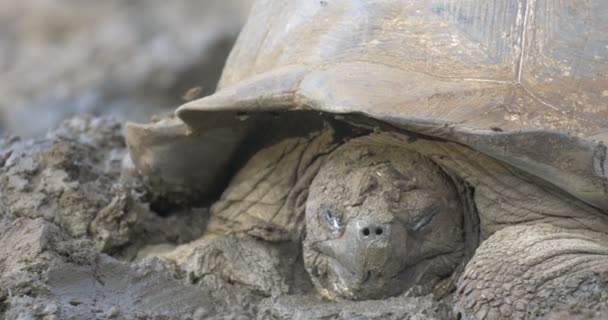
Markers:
366,231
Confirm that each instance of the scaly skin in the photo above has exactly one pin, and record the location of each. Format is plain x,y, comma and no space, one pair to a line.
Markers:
541,250
525,272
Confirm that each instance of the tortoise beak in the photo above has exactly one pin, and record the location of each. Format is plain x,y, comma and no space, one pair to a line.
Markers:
363,253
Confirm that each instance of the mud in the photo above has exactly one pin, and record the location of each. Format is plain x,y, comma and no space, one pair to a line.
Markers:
82,239
312,307
72,179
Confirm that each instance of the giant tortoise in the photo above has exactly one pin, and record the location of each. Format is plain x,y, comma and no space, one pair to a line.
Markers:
409,145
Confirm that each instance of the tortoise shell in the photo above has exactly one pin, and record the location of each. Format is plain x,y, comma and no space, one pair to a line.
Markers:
521,81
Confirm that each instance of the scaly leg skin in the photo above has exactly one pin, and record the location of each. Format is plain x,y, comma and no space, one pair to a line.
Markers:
536,271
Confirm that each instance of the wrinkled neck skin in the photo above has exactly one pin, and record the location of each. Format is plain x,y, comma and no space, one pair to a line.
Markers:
381,221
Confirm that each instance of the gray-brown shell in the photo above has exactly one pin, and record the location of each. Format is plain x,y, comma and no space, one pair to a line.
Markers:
522,81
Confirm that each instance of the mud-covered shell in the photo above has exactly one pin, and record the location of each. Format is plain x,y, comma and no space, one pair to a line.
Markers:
525,82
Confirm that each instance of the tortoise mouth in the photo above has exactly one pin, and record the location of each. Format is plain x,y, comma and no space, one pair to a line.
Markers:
339,281
342,282
367,284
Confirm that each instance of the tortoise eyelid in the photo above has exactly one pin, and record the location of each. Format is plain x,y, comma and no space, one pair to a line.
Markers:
405,185
332,219
425,217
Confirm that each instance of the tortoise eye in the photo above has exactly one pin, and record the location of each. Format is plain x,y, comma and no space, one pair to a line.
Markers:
332,219
425,216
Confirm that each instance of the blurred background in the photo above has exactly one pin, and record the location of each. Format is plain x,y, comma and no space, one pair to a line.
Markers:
126,58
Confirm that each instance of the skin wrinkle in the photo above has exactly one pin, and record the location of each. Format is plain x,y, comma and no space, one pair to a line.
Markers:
563,268
271,167
433,257
572,264
583,266
556,236
317,155
263,179
312,163
301,211
494,191
465,168
249,201
557,221
299,161
540,215
526,205
528,216
239,215
234,215
284,203
484,173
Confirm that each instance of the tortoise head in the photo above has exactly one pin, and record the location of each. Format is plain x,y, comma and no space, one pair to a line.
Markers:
380,222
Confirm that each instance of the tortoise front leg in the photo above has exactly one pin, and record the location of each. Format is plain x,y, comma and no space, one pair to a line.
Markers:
236,259
527,272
